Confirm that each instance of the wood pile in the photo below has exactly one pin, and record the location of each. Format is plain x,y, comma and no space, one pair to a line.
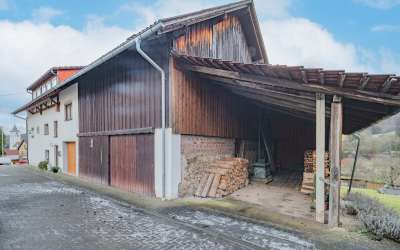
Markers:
224,177
310,167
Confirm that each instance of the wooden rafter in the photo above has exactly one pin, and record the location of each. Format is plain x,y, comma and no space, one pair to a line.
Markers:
388,84
304,76
322,78
361,95
364,81
341,80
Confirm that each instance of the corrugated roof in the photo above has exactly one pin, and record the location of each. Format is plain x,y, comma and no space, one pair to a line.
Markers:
369,97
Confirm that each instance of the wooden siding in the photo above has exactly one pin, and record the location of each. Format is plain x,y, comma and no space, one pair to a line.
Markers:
202,108
132,163
93,158
291,137
124,93
222,40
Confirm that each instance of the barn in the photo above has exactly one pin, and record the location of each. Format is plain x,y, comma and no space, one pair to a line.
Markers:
159,109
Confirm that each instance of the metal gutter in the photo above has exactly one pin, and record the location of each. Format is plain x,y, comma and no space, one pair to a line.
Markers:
138,41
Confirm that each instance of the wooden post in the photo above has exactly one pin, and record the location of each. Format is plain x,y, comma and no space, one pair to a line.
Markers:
335,158
320,159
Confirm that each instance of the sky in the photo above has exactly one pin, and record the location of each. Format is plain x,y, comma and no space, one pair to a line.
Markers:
355,35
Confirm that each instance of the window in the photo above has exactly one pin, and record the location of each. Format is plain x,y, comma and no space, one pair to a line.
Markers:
37,130
53,82
46,129
56,155
55,129
68,112
47,155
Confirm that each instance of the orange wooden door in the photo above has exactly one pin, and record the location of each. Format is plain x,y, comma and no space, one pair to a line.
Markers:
71,154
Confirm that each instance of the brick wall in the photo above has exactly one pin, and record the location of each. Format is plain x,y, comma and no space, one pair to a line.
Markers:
197,154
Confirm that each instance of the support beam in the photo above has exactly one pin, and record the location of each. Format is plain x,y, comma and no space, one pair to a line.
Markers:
361,95
388,84
335,158
364,81
320,159
342,78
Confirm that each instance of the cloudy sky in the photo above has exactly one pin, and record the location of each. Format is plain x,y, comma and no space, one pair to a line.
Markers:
357,35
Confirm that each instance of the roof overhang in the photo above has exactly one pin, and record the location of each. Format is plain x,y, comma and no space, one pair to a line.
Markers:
292,90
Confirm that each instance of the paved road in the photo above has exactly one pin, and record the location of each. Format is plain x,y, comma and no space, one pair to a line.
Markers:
40,213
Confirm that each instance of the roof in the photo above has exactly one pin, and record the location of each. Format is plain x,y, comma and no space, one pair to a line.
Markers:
169,24
291,89
49,73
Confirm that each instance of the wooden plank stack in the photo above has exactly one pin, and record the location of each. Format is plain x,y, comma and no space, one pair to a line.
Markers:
310,167
224,177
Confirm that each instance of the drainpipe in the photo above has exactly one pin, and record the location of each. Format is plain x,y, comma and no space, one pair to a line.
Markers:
138,41
354,163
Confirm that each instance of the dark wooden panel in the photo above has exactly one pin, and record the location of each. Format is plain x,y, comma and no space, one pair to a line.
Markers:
132,163
291,137
124,93
93,158
223,40
203,108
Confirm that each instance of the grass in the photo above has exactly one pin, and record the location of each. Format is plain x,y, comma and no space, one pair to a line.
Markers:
389,201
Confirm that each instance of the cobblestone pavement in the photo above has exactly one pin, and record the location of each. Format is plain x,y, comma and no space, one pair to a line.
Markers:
39,213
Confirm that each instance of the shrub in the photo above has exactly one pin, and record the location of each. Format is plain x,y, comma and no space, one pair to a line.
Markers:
43,165
378,219
55,169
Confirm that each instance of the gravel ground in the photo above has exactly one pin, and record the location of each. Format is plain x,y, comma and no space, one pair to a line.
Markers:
40,213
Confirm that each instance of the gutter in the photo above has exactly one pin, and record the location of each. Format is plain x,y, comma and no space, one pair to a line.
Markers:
138,41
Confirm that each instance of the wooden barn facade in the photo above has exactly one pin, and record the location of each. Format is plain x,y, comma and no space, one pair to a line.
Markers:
157,110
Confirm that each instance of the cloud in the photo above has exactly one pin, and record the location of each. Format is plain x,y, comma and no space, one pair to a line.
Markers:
148,13
273,8
289,41
379,4
4,5
386,28
28,49
45,14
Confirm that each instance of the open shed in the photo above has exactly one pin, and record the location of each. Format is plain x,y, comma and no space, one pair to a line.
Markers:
298,105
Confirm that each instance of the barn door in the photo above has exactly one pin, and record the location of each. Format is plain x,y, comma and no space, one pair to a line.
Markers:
132,163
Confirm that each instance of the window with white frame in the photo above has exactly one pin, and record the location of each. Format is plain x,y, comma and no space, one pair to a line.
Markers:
68,112
47,155
46,129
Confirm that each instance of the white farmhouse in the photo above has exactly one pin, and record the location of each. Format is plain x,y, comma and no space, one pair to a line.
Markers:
52,120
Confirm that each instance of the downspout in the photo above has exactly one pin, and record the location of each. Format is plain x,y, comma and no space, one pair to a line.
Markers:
138,41
354,163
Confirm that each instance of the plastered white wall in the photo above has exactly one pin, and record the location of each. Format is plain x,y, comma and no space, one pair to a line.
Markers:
67,131
172,164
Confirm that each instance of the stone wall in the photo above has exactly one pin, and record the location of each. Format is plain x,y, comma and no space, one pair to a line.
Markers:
197,154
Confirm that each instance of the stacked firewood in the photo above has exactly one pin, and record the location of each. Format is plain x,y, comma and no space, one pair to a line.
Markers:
224,177
310,167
